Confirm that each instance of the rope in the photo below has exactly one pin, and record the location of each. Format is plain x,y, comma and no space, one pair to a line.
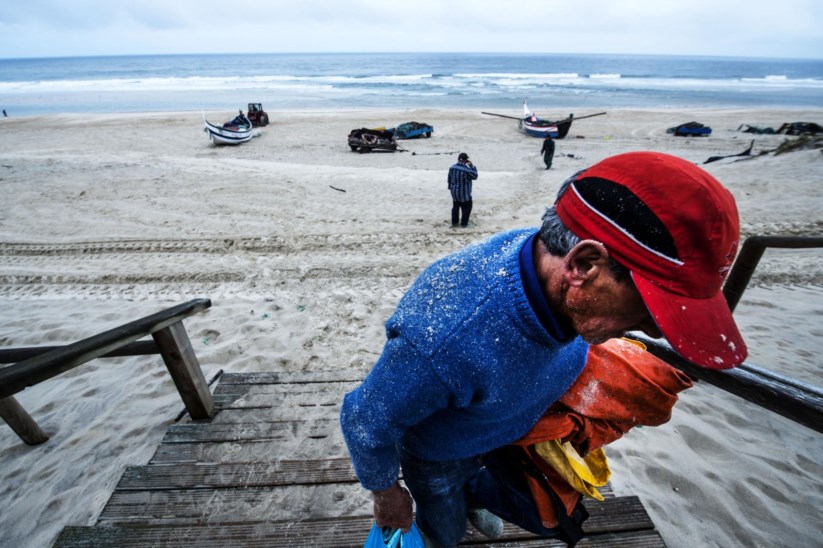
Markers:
184,411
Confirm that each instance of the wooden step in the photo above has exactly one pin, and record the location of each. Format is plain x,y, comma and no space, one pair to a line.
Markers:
233,505
296,377
333,533
295,502
281,396
298,412
286,388
253,474
249,451
275,430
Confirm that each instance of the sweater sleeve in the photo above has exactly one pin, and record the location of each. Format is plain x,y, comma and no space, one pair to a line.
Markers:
399,392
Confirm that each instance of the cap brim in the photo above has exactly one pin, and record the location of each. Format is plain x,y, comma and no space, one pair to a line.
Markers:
701,330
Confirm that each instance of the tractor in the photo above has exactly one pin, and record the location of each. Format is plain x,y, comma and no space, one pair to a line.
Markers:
257,116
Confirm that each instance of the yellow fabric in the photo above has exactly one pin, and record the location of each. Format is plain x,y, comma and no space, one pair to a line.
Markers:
634,342
585,474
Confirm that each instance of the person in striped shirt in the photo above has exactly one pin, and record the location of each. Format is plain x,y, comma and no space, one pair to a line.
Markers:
460,180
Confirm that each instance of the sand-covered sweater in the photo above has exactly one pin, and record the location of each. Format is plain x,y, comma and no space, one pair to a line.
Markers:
467,366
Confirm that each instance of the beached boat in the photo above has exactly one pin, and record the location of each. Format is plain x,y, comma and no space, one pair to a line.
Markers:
236,131
412,130
367,140
690,129
535,126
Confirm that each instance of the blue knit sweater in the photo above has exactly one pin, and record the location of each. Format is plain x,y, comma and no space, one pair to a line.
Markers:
467,366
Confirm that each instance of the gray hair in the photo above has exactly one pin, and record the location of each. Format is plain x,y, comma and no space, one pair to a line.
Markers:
559,240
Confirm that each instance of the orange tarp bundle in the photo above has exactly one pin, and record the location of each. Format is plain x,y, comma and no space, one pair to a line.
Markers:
622,386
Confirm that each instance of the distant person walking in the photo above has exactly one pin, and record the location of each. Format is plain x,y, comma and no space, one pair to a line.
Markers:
4,114
548,151
461,176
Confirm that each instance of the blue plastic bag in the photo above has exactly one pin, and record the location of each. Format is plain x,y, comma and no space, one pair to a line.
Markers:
386,537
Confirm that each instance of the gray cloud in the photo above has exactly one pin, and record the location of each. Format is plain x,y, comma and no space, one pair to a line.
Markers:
791,28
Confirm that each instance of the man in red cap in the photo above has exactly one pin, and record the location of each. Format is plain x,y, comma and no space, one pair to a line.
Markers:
487,338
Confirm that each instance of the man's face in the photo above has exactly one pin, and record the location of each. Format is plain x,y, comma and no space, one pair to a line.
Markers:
606,309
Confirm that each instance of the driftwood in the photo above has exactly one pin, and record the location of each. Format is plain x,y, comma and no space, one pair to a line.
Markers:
804,142
746,152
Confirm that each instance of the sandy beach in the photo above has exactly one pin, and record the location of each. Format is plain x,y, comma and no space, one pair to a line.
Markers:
305,248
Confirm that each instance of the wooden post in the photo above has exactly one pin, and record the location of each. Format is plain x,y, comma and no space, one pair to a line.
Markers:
21,422
184,368
750,255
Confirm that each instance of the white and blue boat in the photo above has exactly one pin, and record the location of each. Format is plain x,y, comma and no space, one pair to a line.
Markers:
236,131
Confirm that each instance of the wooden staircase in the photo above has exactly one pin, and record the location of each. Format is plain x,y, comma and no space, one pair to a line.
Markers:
270,469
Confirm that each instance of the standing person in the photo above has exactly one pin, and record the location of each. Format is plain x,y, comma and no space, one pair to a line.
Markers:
4,114
487,338
460,180
548,151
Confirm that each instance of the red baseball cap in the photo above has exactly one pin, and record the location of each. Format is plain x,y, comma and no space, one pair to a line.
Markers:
676,228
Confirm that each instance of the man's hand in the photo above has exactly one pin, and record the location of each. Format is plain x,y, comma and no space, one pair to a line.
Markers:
393,508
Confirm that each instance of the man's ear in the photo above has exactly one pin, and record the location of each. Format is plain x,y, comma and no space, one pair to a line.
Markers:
585,262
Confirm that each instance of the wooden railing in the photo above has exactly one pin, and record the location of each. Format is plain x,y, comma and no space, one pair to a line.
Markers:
794,399
34,365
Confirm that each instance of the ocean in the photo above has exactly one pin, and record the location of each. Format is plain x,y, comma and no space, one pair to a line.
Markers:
403,80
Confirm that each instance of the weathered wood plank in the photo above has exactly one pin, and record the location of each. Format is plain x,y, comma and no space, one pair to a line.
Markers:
287,388
627,539
279,377
295,502
298,412
339,533
617,514
276,430
283,400
344,533
256,474
253,474
235,505
250,451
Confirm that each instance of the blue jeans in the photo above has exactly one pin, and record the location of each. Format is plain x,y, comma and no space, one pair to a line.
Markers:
444,490
439,492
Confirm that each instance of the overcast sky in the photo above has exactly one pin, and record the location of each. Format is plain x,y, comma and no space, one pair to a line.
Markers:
755,28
